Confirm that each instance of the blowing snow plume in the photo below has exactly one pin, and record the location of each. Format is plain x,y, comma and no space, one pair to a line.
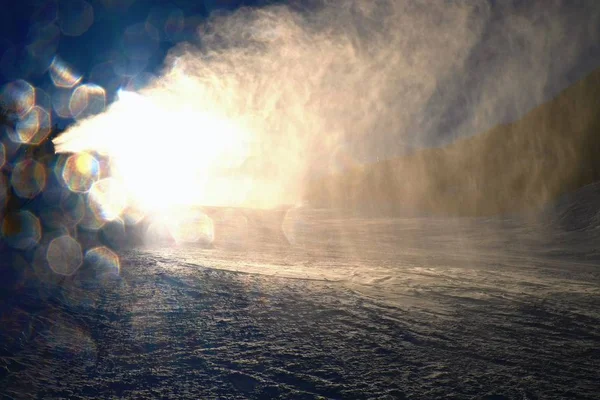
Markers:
269,98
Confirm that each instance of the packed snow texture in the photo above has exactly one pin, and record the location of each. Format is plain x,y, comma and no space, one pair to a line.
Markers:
338,307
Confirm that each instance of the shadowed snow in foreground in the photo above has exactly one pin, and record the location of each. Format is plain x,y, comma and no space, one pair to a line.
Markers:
353,308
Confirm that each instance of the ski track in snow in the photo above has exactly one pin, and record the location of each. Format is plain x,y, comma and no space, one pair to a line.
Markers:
418,309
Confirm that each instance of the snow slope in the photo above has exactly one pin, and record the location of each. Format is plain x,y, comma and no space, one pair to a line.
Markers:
353,308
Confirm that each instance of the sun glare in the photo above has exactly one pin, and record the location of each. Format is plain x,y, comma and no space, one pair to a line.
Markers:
179,157
162,154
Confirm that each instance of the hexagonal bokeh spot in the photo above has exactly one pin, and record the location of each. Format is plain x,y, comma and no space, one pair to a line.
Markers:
107,199
192,226
21,230
64,255
18,97
104,262
80,172
87,100
33,128
62,75
28,178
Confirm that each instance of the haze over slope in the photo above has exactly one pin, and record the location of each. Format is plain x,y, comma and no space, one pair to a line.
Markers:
267,98
522,165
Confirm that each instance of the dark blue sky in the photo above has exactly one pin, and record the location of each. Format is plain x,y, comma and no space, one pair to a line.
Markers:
120,43
96,38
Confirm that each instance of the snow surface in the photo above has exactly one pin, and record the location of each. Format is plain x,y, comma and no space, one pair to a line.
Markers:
353,308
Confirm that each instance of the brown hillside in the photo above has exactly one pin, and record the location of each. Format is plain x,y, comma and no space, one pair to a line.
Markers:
553,149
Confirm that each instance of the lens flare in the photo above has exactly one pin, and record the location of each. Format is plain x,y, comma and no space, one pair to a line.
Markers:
199,162
62,75
104,262
60,102
191,226
295,227
91,221
58,165
80,172
21,230
133,215
158,233
64,255
113,234
42,99
107,199
28,178
33,128
18,97
87,100
72,207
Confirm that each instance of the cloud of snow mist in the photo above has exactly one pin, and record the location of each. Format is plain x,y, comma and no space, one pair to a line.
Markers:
287,92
